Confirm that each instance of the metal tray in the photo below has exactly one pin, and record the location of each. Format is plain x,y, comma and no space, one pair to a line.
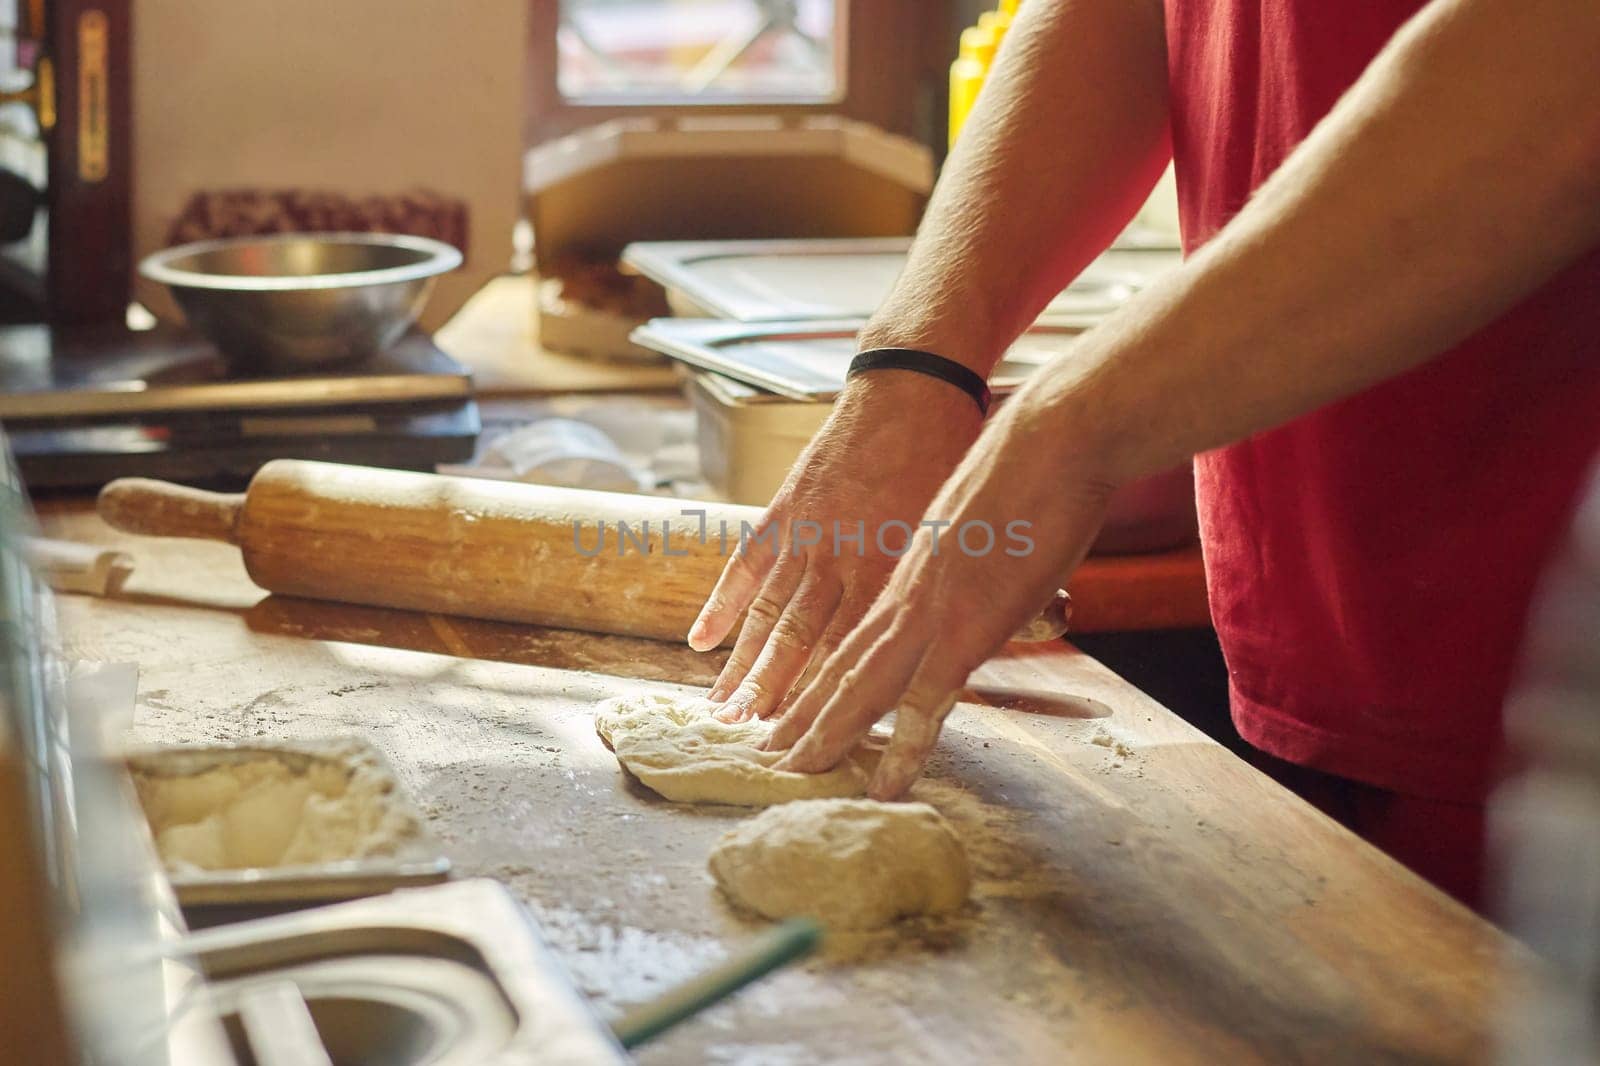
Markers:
454,975
765,281
807,360
417,861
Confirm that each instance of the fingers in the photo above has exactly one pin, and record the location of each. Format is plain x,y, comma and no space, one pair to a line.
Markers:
765,610
788,648
865,692
846,616
921,691
916,729
807,698
741,578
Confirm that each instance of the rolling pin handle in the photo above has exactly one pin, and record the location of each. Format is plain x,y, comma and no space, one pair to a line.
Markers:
161,509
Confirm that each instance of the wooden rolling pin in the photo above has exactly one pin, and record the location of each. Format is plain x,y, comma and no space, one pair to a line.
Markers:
599,561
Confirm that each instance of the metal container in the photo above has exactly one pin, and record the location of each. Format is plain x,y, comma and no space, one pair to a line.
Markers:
782,317
807,360
416,860
295,301
749,439
453,975
785,280
761,390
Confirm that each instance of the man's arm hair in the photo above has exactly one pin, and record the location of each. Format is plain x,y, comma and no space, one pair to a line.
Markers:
1067,139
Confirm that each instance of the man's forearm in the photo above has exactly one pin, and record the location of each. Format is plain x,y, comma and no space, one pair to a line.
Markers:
1067,139
1461,172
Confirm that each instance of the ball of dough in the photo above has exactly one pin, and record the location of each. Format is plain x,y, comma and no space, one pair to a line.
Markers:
851,864
675,746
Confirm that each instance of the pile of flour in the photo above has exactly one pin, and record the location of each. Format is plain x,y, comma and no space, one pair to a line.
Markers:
266,810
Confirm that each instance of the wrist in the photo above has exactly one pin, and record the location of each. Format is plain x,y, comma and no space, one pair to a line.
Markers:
959,344
928,364
904,393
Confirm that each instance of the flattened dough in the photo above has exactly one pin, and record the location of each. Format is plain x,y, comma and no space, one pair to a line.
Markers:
852,864
675,747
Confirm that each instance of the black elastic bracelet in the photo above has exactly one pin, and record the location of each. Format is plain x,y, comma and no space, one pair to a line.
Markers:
920,362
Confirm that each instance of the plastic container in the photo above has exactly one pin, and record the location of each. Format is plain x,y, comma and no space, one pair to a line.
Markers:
974,61
999,24
967,74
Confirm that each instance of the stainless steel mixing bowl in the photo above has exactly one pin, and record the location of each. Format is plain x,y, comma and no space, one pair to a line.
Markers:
301,300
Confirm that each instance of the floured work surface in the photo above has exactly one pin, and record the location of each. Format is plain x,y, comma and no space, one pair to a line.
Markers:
1139,894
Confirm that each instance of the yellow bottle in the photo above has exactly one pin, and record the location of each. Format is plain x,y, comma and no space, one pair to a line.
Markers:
967,74
997,23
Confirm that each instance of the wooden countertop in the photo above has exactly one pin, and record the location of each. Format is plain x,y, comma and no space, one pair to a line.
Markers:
1142,895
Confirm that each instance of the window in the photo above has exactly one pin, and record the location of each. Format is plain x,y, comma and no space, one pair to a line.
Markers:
699,51
884,62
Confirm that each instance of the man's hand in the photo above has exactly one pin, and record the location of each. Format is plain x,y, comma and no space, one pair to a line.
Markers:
955,598
1073,122
825,546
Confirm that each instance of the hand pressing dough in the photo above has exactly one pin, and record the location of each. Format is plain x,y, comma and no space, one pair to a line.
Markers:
677,748
851,864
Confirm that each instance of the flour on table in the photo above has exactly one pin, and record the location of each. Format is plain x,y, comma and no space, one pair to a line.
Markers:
675,747
851,864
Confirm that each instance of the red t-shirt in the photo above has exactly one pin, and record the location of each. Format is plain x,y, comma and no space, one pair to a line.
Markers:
1370,564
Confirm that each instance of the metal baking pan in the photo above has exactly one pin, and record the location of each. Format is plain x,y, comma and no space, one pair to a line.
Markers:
416,860
807,360
454,975
766,281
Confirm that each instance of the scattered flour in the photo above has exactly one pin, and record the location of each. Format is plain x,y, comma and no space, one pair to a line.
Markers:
1106,740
